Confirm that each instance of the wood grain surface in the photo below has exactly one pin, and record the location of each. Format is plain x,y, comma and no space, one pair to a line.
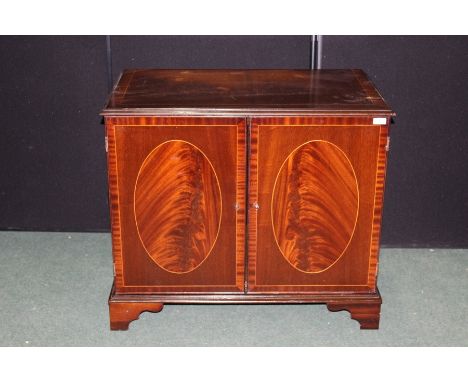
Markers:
378,206
177,206
114,203
180,206
243,92
314,206
246,186
339,183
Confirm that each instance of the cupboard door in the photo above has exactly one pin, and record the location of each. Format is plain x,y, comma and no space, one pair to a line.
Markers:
315,199
177,194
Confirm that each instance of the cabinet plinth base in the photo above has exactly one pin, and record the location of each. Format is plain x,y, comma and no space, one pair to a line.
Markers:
364,307
367,314
122,312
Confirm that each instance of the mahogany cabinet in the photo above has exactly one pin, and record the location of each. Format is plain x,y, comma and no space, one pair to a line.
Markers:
253,186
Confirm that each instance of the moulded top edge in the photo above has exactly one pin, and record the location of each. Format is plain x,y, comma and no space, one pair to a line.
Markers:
239,112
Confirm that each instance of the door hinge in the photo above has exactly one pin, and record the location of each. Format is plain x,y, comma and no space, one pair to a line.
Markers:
245,286
106,143
387,146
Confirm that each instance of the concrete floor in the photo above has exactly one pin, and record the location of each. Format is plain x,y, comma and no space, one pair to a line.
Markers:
54,289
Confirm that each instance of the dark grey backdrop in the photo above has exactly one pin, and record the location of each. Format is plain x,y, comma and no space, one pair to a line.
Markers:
53,170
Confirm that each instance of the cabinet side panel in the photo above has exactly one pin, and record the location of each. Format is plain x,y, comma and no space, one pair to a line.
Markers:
378,207
114,205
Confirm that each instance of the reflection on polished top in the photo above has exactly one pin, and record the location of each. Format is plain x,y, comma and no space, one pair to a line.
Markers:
242,92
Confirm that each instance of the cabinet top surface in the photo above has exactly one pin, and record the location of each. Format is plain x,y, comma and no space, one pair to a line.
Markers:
244,92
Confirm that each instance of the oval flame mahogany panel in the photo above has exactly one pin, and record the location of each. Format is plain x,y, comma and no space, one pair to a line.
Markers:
314,206
177,206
